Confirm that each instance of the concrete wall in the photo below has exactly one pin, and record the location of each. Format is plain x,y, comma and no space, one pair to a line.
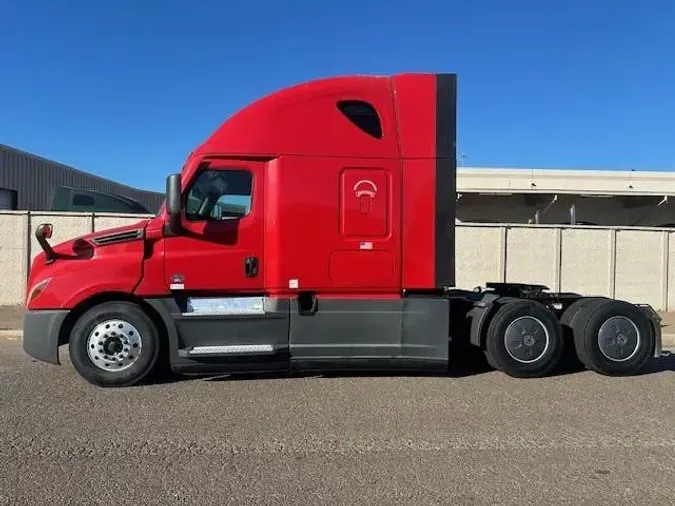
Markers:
636,264
18,246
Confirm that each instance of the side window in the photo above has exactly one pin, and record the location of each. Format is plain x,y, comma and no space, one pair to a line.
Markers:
81,200
219,195
363,115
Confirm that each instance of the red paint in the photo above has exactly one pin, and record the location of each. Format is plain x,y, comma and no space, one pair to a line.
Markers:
417,130
82,272
416,113
152,282
304,229
304,120
419,178
365,196
334,210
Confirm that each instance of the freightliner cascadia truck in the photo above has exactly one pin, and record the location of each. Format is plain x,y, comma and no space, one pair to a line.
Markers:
314,230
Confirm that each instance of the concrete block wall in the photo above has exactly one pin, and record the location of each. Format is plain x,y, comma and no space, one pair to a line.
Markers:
18,246
635,264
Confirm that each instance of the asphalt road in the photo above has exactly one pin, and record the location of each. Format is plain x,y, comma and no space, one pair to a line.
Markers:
478,438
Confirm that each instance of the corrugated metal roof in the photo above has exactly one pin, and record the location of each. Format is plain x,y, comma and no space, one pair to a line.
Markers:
34,178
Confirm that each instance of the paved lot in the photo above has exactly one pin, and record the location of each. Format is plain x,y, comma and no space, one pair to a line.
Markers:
479,438
11,317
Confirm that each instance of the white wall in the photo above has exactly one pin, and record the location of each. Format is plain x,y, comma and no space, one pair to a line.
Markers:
634,264
629,263
18,245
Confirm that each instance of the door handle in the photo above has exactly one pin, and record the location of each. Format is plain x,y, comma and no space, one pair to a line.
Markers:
251,267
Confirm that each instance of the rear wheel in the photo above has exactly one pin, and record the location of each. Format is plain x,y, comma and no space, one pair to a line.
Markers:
569,317
613,337
114,344
524,339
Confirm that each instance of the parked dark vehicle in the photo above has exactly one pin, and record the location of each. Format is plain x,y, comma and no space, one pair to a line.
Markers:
65,198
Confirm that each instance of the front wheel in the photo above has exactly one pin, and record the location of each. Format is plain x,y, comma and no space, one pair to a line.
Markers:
114,344
524,340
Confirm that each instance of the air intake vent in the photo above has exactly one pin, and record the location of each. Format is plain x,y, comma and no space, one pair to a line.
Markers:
127,235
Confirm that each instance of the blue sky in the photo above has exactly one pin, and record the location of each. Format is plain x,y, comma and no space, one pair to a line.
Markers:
125,89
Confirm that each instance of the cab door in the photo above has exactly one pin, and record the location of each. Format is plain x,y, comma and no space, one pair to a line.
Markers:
219,249
214,269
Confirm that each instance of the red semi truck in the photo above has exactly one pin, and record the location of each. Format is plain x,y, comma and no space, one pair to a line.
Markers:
314,230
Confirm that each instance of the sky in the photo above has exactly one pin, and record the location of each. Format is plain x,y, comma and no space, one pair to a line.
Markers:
126,89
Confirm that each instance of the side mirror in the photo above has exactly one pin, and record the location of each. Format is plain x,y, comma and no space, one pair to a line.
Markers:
173,201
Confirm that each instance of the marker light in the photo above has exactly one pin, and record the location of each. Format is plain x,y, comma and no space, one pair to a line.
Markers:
37,290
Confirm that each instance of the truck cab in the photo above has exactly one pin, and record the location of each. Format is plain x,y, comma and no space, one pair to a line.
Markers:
313,230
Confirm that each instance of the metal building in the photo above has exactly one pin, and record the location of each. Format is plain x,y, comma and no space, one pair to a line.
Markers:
29,182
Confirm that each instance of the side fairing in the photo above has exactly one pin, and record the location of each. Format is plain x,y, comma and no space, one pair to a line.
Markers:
426,111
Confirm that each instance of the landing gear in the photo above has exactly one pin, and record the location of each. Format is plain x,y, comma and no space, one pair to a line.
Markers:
613,337
114,344
524,339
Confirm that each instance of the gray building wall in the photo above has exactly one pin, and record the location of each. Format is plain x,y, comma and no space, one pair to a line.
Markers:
34,178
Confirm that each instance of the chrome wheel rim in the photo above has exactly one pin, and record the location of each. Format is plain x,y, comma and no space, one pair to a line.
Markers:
526,339
619,339
114,345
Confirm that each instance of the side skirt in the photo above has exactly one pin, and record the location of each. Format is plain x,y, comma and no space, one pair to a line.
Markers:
227,334
332,334
306,334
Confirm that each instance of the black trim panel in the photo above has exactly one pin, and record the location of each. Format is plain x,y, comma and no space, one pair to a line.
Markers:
346,329
426,329
368,365
384,334
446,173
41,334
165,307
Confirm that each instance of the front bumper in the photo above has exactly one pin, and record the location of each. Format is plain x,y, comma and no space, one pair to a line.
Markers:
41,329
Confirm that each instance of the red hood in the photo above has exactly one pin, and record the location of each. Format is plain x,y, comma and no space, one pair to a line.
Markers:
108,260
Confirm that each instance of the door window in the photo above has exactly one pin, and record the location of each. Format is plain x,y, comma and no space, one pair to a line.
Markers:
219,195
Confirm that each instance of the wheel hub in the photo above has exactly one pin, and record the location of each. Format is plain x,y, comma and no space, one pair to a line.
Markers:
619,339
526,339
114,345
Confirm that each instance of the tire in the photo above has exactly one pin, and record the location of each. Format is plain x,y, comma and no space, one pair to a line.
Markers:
119,334
524,340
613,338
570,360
572,312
